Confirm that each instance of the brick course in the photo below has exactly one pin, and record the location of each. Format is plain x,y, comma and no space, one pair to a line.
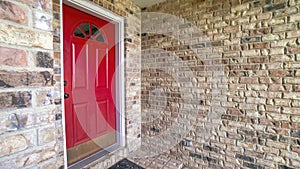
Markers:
258,43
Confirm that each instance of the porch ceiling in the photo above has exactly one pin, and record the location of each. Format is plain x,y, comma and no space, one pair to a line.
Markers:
146,3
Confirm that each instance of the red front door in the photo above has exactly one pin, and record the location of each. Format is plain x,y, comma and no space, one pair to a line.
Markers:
89,65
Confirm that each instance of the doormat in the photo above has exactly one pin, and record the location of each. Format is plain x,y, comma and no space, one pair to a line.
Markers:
125,164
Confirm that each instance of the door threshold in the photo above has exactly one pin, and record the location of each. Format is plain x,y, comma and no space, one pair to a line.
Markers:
96,156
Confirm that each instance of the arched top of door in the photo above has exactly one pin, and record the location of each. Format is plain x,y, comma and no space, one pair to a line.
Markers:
89,31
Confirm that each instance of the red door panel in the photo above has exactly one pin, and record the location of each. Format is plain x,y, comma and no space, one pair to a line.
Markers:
89,65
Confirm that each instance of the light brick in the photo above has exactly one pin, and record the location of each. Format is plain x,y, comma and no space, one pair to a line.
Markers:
270,37
13,12
46,135
45,5
18,36
42,21
251,53
13,144
13,57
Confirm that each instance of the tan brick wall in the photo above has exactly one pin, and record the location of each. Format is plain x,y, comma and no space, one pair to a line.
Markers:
254,47
28,130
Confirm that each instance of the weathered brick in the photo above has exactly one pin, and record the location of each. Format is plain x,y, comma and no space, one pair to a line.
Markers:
234,112
44,98
238,8
249,80
258,60
13,57
210,148
261,31
251,39
15,100
274,7
13,144
276,51
285,167
293,50
17,79
42,21
292,80
13,12
288,27
295,133
251,53
281,73
19,36
44,59
46,135
42,4
277,21
260,45
270,37
294,18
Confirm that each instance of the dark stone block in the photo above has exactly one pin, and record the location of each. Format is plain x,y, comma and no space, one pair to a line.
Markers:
297,142
57,101
57,70
13,79
268,1
216,43
5,85
47,76
21,99
283,139
200,45
129,11
251,39
208,159
186,143
211,160
285,167
157,130
244,157
124,164
209,148
58,116
15,100
295,133
252,166
274,7
128,40
56,16
44,60
196,155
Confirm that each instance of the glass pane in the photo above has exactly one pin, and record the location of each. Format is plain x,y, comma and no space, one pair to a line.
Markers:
95,30
86,28
100,38
78,33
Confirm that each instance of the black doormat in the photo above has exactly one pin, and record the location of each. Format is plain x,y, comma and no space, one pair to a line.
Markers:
126,164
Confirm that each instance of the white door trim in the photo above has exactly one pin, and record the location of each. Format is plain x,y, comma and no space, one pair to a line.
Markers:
100,12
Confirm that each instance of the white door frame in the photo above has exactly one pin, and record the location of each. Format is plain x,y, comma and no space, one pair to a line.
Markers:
100,12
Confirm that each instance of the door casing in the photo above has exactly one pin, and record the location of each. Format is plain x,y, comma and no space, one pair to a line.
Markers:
97,11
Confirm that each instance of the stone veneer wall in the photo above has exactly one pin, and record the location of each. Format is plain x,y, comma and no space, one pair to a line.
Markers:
30,88
248,52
